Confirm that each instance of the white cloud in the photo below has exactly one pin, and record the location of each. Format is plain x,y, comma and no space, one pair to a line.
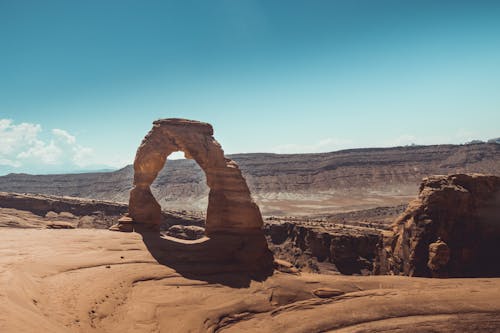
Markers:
22,149
44,153
70,139
14,137
7,162
82,155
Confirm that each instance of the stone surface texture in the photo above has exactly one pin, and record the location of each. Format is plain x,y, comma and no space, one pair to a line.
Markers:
230,206
233,220
451,229
439,256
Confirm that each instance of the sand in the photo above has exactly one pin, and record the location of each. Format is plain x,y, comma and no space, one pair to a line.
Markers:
100,281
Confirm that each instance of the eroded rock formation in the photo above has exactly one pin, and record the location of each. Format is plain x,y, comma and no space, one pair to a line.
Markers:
463,211
232,216
345,250
439,256
230,206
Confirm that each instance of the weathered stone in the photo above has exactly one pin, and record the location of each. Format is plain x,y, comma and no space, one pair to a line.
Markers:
233,220
123,227
327,292
285,267
346,251
230,206
60,225
125,220
51,215
439,256
463,210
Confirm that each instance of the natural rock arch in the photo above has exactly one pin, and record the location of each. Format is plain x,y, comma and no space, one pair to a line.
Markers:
233,225
230,206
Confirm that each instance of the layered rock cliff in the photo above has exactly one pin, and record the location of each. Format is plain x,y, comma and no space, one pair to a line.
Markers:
286,184
334,249
451,229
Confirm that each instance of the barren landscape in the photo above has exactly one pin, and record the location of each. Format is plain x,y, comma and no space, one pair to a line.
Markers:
294,184
332,269
250,166
98,281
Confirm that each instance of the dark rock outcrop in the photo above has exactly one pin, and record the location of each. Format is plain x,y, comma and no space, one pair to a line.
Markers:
84,213
190,232
346,250
462,210
43,204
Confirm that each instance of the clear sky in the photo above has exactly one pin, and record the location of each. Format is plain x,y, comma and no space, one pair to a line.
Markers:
81,81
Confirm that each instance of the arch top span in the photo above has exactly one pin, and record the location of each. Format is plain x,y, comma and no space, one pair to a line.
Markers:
230,206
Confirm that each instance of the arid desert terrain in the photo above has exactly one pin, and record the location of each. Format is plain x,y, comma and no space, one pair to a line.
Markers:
352,241
98,281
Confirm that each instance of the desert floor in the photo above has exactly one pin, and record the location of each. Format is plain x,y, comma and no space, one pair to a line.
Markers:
101,281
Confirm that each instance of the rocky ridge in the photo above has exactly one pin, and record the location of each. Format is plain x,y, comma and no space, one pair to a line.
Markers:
343,243
37,211
286,184
461,211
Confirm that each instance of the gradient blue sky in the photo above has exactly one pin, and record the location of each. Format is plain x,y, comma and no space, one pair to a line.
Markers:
81,81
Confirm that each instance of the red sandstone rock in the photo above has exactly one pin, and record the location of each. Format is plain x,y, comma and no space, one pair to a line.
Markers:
464,211
327,292
439,256
233,221
230,206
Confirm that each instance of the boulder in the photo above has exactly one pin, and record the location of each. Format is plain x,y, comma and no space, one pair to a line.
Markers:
60,225
439,256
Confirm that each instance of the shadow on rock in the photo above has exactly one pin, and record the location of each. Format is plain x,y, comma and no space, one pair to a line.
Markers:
229,259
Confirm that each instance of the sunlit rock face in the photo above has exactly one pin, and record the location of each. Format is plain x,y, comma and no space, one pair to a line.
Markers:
233,220
461,211
230,206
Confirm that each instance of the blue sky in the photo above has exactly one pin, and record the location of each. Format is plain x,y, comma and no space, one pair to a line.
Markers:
81,81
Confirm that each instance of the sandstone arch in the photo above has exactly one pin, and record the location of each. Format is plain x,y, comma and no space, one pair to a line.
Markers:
230,206
233,223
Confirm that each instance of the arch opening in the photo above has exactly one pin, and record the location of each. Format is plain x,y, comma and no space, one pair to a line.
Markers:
182,192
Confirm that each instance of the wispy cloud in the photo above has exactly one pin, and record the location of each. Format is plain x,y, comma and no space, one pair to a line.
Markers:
23,148
70,139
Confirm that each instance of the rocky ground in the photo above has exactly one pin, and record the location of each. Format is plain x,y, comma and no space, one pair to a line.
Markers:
89,280
40,211
332,244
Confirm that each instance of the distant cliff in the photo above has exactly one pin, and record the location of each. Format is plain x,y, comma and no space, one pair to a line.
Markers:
286,183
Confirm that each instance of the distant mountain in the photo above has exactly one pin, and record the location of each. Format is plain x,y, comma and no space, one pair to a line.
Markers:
286,183
7,170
